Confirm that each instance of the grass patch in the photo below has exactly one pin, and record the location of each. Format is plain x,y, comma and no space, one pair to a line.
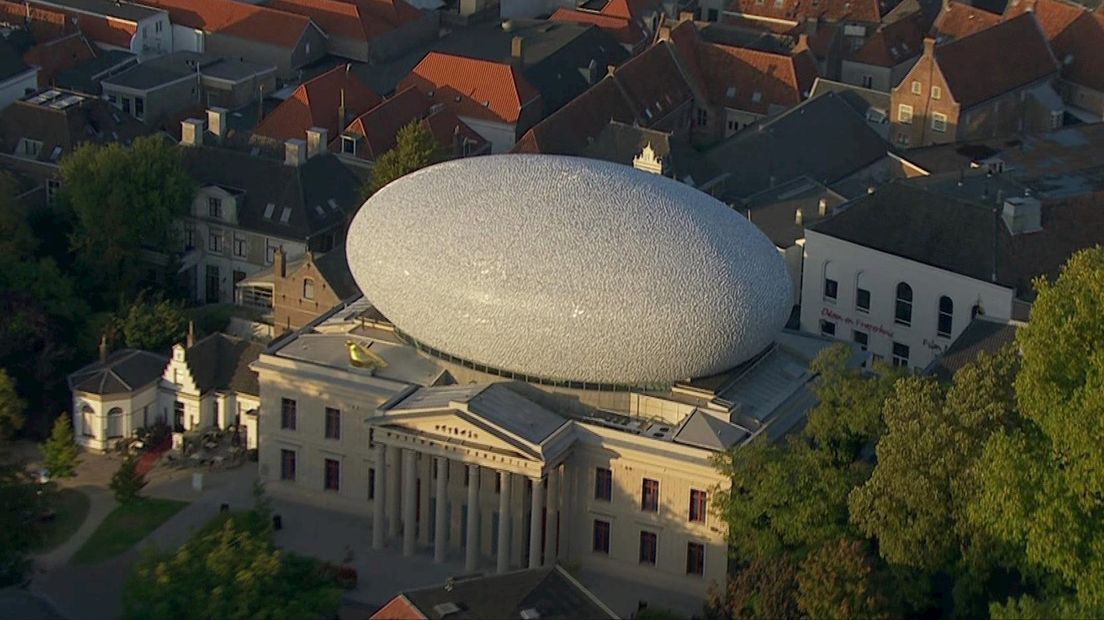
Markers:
125,526
70,508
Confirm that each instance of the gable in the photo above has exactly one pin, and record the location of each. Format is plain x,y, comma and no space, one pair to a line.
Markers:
457,426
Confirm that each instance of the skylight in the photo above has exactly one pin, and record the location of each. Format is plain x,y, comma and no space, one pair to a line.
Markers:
268,211
286,215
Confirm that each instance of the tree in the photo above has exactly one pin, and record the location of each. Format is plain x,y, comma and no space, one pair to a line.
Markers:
152,323
60,452
848,414
764,588
1038,479
127,483
18,241
415,148
240,573
11,407
22,504
125,201
842,580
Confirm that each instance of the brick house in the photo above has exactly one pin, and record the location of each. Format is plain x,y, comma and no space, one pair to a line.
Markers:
994,82
305,289
366,30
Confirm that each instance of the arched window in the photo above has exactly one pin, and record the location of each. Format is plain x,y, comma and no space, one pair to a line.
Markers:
862,293
831,282
903,312
114,422
946,317
88,421
308,288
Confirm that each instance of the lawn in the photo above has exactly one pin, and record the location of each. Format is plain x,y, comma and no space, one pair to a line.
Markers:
70,510
125,526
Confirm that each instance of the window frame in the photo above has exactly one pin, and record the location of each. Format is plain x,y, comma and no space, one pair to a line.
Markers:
864,342
652,495
288,456
308,288
901,112
827,328
695,562
649,548
214,240
917,87
601,532
241,249
831,289
939,122
289,413
860,293
331,479
944,312
603,488
936,93
899,360
332,423
699,506
902,307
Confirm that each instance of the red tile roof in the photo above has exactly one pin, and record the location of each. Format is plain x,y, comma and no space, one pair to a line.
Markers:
625,31
867,11
362,20
58,55
315,104
957,20
892,44
379,125
106,30
45,24
995,61
474,88
237,19
1054,16
643,91
1080,50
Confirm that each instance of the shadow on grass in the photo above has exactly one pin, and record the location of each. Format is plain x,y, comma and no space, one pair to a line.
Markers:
69,508
125,526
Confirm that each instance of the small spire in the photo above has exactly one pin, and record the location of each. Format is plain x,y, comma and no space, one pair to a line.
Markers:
190,342
103,347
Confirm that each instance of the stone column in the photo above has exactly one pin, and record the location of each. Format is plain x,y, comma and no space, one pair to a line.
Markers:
408,498
504,521
550,521
517,525
391,495
535,524
471,546
440,527
378,479
425,474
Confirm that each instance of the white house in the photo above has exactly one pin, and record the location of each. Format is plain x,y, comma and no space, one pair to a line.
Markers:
115,396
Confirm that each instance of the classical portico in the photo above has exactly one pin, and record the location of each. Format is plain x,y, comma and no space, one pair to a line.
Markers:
492,462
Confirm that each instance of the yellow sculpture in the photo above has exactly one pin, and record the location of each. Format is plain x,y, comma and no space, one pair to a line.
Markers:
361,357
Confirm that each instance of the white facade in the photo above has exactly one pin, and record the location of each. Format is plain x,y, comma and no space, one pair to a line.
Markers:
855,267
185,39
18,86
101,420
501,136
185,408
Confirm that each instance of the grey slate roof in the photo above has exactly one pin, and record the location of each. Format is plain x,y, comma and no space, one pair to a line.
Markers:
822,138
774,211
267,180
86,77
981,335
334,267
123,371
550,591
702,430
60,131
516,414
11,62
221,362
621,142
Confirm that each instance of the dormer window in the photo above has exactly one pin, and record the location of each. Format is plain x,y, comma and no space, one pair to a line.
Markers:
28,147
349,145
308,288
214,207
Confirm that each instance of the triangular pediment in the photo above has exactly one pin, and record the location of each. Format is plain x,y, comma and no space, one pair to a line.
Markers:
459,427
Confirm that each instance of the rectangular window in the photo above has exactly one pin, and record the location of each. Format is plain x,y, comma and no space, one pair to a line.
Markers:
698,503
900,355
827,328
239,246
695,558
936,92
214,284
831,289
53,186
939,122
348,145
703,117
139,108
603,484
946,317
332,481
178,416
917,88
189,235
214,240
287,414
287,465
601,536
904,114
860,338
333,423
648,544
649,495
862,300
372,483
270,252
214,207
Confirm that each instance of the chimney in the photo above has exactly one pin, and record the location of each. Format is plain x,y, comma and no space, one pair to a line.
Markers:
1022,214
191,132
103,348
685,16
517,48
342,119
929,46
295,152
216,121
610,69
189,342
799,217
318,139
664,33
457,142
279,263
822,207
801,45
592,72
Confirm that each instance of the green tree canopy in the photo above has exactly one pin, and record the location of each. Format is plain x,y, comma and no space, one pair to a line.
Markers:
240,574
11,407
414,149
127,482
842,579
153,323
60,452
22,503
125,201
764,588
